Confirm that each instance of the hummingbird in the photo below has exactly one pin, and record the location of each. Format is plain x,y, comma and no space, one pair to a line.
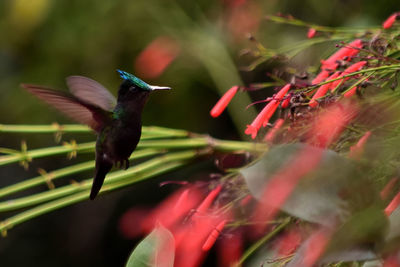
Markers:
117,123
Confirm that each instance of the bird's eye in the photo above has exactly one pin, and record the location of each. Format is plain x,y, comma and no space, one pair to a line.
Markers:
133,88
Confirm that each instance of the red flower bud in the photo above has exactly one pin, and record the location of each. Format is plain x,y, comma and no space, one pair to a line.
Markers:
343,53
357,149
264,116
353,68
320,77
213,236
223,102
394,204
322,90
311,33
269,137
388,23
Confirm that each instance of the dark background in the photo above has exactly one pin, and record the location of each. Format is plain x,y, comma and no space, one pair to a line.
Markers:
43,41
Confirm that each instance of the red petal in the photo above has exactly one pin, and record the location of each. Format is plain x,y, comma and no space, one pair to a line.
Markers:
348,52
357,149
393,205
322,90
156,57
390,21
311,33
223,102
213,236
269,137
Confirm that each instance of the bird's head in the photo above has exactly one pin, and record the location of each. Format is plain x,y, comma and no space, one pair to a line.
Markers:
134,88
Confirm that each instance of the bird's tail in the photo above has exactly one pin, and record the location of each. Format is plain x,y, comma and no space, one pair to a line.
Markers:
102,168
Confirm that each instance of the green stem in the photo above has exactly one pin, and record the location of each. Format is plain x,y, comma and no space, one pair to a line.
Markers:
263,240
116,176
296,22
77,197
196,142
48,151
77,128
42,179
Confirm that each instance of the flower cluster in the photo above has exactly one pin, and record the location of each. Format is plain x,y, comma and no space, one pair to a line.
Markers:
319,170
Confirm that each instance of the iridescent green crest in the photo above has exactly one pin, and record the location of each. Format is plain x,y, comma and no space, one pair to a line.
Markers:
135,80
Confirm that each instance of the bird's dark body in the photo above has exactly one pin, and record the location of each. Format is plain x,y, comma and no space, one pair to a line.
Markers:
118,129
116,141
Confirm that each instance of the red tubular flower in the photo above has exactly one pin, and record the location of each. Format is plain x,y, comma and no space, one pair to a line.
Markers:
279,188
191,238
320,77
130,219
223,102
209,199
267,112
173,209
328,126
213,236
322,90
288,243
352,68
388,188
388,23
394,204
317,244
357,149
269,137
346,52
286,102
311,33
156,57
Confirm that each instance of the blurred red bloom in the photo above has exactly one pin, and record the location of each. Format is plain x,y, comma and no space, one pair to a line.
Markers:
223,102
311,33
316,246
263,117
244,19
156,57
388,188
173,209
279,188
127,223
269,137
394,204
288,243
388,23
230,249
357,149
344,53
328,126
392,261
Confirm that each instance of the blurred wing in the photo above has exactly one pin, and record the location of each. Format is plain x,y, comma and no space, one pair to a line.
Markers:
77,110
91,92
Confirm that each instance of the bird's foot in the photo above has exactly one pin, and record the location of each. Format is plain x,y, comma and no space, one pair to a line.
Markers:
126,164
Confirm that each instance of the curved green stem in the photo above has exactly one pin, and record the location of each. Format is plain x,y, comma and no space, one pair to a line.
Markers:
77,197
262,241
59,173
116,176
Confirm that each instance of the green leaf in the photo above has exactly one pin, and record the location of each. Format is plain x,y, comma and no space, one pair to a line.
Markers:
323,194
156,250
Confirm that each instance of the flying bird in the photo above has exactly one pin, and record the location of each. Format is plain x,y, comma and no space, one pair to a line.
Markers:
118,123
